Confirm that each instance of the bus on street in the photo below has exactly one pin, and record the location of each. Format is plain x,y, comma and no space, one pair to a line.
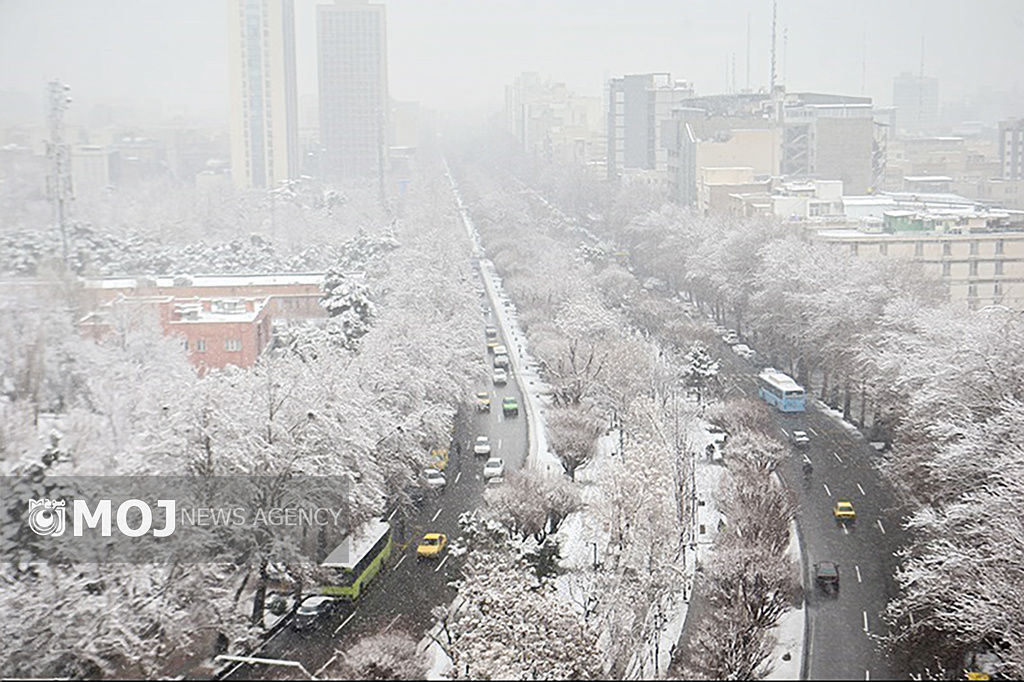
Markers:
778,389
356,561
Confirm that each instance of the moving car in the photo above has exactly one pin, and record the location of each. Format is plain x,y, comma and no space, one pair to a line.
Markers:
826,576
482,446
314,610
432,545
843,511
800,439
433,479
510,406
495,467
483,402
500,377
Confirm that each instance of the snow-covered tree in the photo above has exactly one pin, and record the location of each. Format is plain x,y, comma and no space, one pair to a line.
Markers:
699,370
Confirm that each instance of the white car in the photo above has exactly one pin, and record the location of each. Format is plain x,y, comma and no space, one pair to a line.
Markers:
495,481
743,350
500,377
495,467
433,479
500,360
801,439
482,446
731,337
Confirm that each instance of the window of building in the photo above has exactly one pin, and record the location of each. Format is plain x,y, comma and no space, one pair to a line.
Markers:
883,249
972,291
201,345
999,267
999,247
184,343
974,247
973,272
946,269
997,289
947,249
232,344
918,249
853,249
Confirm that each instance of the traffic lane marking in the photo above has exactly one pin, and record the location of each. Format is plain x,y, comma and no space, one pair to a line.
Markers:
827,491
861,489
345,622
865,614
443,561
838,458
880,526
857,569
404,557
436,514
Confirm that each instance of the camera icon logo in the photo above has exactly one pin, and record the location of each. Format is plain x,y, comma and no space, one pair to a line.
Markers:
46,517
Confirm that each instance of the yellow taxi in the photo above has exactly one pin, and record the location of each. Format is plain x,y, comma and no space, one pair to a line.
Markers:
439,458
432,545
843,511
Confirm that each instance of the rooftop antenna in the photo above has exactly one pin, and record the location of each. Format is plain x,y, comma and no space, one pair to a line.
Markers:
771,82
59,184
733,72
920,88
864,59
748,52
785,45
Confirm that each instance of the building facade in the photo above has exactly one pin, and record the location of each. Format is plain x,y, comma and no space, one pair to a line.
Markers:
979,268
1011,149
638,106
916,99
262,87
353,89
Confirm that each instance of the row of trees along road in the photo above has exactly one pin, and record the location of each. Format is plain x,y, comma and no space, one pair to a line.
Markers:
878,339
368,408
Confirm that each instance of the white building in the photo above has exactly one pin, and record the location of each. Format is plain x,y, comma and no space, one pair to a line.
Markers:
264,105
916,99
353,79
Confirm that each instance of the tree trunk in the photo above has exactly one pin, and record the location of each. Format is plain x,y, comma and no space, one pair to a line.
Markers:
847,400
824,383
863,403
260,598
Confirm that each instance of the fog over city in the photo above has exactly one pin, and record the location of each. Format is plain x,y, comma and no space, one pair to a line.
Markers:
472,339
452,54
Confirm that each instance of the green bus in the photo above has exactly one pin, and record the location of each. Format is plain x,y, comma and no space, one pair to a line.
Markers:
358,558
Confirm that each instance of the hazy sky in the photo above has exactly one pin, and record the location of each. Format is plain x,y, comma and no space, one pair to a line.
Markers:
457,54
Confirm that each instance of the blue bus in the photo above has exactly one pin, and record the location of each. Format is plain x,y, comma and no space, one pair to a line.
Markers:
778,389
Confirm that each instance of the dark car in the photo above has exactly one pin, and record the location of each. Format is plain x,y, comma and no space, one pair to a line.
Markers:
313,611
510,406
826,576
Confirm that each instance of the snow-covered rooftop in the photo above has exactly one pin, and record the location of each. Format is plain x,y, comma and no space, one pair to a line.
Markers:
168,281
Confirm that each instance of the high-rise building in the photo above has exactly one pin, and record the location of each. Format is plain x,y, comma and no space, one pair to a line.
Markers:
1011,148
916,99
353,75
638,105
264,104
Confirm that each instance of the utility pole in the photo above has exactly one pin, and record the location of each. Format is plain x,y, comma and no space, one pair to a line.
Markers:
59,182
775,11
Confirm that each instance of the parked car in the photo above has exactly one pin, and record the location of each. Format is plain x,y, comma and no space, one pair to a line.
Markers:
495,467
482,446
731,337
743,350
500,360
492,333
433,479
826,576
313,611
432,545
439,458
720,330
483,401
510,406
500,377
800,439
500,349
495,481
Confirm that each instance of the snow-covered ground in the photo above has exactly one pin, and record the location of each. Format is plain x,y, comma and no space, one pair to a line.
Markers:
789,633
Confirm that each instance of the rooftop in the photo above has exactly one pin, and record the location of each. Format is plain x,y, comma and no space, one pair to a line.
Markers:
356,544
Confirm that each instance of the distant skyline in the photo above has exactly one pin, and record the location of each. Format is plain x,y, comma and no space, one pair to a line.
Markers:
459,54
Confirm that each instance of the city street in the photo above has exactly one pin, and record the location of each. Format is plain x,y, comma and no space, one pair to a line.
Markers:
402,596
